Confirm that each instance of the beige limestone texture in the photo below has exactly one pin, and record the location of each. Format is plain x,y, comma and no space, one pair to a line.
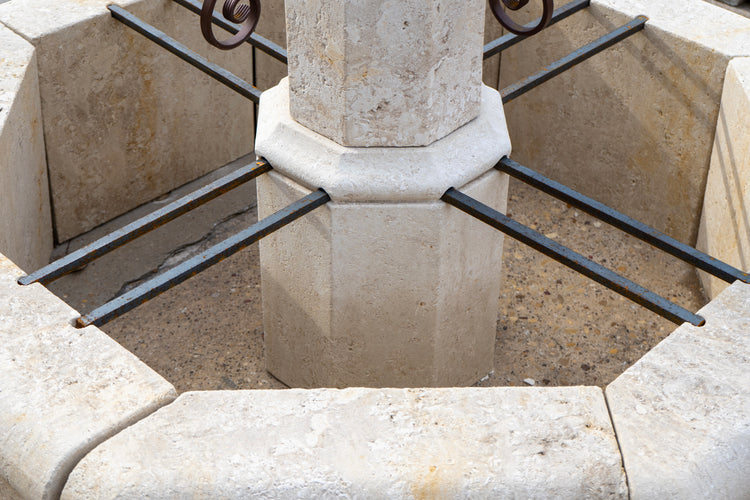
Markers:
725,221
682,413
633,126
272,25
389,73
363,444
124,120
491,67
25,221
62,390
380,174
380,294
386,285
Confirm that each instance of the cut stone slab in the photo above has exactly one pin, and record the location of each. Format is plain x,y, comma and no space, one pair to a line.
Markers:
725,221
29,308
633,126
682,412
362,443
121,114
380,174
25,220
62,390
354,67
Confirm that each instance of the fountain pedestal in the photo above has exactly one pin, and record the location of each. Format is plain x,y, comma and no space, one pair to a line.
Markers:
384,109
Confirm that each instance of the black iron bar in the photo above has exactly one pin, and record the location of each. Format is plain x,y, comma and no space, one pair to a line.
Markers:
505,41
264,44
567,62
255,84
573,260
138,228
193,266
621,221
217,72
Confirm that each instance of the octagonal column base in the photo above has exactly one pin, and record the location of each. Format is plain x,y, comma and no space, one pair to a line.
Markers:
377,292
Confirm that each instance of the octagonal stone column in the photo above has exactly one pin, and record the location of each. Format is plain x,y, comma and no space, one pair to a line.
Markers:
384,108
385,72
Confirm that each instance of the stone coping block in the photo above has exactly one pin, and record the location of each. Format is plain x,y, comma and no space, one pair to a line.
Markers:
62,390
380,174
633,126
363,443
25,220
693,21
682,412
725,221
121,114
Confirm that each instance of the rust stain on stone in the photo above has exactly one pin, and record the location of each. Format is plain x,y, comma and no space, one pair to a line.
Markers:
427,486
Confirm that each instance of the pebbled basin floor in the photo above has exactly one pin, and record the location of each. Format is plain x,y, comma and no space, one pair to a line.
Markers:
555,327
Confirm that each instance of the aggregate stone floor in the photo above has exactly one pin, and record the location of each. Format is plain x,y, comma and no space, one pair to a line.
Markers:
555,327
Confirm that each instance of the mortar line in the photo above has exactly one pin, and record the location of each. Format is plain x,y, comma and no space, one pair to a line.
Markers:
26,38
98,440
617,440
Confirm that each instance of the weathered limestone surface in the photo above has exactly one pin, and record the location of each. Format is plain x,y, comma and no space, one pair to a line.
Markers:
25,223
386,285
491,66
356,66
682,413
124,120
381,294
725,222
632,127
361,443
62,390
380,174
272,25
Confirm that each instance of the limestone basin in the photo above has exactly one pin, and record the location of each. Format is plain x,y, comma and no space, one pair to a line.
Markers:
81,417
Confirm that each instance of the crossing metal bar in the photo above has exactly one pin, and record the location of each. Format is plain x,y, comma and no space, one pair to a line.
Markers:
264,44
213,255
217,72
573,260
621,221
567,62
505,41
138,228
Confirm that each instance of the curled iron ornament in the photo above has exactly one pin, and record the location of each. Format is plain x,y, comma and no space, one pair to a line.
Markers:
245,15
514,27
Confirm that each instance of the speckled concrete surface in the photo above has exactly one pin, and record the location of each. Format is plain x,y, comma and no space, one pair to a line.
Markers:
555,327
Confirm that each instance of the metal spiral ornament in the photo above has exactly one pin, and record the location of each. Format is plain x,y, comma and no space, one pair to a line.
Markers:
245,15
514,27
